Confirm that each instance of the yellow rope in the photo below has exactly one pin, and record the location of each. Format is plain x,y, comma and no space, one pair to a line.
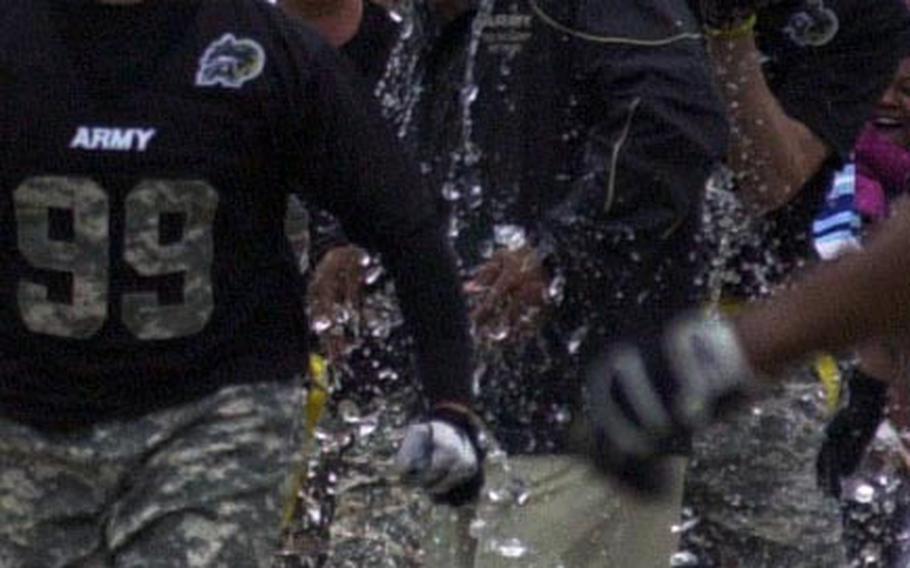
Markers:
618,40
317,398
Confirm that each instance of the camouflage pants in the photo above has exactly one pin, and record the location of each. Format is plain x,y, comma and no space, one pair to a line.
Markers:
751,494
198,485
375,521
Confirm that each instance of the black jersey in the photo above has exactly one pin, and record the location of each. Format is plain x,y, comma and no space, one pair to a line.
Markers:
146,154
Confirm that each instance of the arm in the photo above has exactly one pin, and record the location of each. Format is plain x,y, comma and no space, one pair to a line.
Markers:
804,98
860,297
773,155
650,391
350,165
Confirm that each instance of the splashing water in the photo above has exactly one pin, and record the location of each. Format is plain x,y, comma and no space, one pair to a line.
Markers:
681,559
508,548
398,91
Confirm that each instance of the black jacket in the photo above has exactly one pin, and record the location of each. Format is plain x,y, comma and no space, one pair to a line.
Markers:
597,150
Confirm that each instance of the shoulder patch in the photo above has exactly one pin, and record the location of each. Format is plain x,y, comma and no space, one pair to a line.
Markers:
230,62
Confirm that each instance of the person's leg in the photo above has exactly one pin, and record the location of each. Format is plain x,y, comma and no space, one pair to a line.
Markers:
449,540
53,490
753,488
209,489
377,521
556,511
574,517
649,538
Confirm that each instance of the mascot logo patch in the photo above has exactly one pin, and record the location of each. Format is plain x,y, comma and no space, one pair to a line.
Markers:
230,62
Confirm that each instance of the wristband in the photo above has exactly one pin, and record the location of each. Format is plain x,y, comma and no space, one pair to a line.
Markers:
744,29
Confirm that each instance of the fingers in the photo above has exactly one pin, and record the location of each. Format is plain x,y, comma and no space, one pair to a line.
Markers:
486,275
352,277
510,295
495,298
334,297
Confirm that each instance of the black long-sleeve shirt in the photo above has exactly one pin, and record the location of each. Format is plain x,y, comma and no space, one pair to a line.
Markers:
146,155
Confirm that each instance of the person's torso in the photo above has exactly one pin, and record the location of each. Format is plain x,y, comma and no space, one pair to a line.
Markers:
141,207
498,122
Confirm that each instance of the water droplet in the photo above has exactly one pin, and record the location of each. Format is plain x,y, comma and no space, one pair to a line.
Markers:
373,274
450,191
556,289
367,426
387,375
576,339
498,333
469,94
511,237
477,528
349,411
683,558
510,548
321,324
864,493
685,525
563,415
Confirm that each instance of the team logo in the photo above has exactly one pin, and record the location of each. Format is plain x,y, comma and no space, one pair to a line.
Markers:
230,62
815,26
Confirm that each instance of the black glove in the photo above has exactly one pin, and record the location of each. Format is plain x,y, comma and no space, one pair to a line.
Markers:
443,455
645,398
850,431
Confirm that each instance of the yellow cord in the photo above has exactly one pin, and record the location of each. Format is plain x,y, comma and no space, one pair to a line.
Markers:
829,375
743,30
317,399
617,40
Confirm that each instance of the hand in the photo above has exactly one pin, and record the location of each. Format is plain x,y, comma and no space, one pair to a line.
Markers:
443,455
334,297
511,293
645,398
850,431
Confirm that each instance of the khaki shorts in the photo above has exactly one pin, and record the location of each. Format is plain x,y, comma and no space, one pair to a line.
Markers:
198,485
549,511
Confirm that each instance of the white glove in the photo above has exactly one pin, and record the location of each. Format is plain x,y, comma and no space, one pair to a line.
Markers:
443,456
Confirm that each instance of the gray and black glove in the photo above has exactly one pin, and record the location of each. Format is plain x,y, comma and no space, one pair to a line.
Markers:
443,455
646,397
